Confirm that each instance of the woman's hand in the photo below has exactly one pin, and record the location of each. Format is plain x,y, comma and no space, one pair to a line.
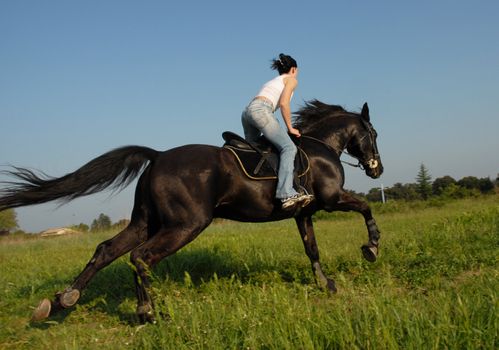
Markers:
294,132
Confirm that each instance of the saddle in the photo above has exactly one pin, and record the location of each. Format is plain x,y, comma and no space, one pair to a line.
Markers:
260,160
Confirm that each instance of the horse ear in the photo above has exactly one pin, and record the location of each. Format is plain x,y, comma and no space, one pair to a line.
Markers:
365,112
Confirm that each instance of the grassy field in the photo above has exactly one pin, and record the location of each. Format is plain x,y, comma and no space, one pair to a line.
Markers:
250,286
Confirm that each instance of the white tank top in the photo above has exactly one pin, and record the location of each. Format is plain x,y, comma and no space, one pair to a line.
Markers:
273,90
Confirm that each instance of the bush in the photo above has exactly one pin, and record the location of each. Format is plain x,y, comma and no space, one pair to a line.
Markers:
8,220
486,185
442,183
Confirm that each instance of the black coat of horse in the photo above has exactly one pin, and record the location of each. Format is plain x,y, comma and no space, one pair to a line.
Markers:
181,190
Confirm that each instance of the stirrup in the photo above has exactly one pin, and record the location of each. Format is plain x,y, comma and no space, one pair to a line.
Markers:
307,197
302,199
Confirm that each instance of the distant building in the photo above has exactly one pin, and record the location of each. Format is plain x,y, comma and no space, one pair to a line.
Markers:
60,231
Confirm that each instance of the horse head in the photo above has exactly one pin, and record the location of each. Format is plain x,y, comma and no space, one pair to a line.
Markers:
362,145
340,130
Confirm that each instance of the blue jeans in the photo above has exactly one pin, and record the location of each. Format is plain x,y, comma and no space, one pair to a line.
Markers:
257,119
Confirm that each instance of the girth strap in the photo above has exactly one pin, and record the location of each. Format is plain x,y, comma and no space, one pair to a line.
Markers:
260,164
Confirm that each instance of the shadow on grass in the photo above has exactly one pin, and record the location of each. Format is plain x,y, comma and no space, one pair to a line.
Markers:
114,284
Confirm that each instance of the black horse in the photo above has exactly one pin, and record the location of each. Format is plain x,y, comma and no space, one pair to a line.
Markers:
181,190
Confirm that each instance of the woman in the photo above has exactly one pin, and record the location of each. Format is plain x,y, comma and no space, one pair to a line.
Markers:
258,118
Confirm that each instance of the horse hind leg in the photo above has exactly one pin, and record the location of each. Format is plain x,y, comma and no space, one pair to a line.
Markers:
164,243
105,253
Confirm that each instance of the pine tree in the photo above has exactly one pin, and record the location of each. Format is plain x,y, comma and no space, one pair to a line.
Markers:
423,181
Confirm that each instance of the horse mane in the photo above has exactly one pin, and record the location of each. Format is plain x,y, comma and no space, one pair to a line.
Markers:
316,111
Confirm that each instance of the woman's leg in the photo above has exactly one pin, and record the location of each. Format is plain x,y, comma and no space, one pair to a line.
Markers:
258,118
251,133
281,140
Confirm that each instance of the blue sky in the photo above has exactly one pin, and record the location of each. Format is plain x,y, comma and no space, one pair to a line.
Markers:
80,78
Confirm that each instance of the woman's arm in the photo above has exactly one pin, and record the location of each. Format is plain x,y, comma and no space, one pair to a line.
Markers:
289,86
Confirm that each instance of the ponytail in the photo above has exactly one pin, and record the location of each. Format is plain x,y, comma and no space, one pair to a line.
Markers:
283,64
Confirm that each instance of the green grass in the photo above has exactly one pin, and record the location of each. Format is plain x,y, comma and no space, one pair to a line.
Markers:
250,286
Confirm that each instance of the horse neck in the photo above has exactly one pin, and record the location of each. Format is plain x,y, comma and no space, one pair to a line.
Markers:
337,135
338,139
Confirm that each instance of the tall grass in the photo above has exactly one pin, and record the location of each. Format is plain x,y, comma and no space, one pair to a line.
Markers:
250,286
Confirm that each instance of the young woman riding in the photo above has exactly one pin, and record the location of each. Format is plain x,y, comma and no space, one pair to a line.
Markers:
258,118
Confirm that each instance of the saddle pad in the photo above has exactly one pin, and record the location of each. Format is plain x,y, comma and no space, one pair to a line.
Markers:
265,165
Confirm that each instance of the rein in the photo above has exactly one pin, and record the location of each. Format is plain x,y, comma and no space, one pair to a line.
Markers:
331,148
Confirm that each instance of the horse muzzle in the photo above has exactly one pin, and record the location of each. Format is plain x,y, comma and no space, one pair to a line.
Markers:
373,168
372,163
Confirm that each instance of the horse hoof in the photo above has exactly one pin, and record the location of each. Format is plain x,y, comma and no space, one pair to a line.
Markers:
147,318
69,298
146,314
370,253
42,311
331,286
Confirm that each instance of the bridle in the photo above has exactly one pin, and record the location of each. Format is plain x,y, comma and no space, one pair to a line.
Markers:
372,163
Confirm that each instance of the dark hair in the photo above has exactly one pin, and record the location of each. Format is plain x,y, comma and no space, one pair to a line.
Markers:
283,64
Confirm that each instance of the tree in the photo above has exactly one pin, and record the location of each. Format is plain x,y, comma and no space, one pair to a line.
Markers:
359,195
102,223
8,220
423,181
469,182
441,183
374,195
121,224
485,185
81,227
406,192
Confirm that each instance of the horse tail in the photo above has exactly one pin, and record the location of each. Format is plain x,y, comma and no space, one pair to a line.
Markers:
114,169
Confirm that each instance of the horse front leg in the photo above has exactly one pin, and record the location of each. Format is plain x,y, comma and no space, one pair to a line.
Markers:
347,202
306,229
